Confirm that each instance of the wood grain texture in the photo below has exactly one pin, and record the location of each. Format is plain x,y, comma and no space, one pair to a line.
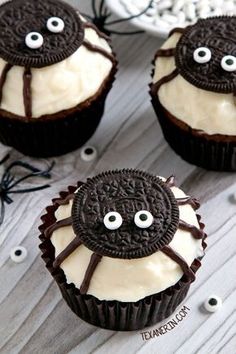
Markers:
33,316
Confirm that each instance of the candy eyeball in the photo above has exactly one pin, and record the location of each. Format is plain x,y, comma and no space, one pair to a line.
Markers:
55,24
228,63
88,153
213,303
18,254
112,220
143,219
34,40
202,55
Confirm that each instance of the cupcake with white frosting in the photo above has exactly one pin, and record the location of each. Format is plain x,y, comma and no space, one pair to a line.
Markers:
193,92
56,71
123,247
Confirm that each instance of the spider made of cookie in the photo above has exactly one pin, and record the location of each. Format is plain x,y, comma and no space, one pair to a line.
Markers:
205,55
35,34
127,214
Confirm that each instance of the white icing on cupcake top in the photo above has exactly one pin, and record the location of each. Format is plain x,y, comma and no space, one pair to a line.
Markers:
128,279
59,86
213,113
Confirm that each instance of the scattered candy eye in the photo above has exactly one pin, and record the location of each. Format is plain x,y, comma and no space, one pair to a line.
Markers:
55,24
228,63
88,153
202,55
213,303
18,254
112,220
143,219
34,40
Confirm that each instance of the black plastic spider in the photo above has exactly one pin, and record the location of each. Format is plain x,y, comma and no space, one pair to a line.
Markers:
101,15
8,181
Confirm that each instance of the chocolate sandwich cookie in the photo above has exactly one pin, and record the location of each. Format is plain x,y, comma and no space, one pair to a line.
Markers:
46,106
193,92
123,247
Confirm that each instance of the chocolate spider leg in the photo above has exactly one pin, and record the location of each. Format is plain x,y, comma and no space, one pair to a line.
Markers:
27,94
99,50
57,225
99,33
168,251
64,201
3,78
195,232
94,260
177,30
170,182
155,87
189,200
170,52
70,248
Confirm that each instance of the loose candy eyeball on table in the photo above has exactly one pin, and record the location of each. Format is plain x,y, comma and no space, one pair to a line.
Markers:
18,254
88,153
213,303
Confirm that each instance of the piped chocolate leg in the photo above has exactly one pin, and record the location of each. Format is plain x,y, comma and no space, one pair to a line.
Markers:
165,53
170,182
195,232
94,260
100,34
58,225
96,49
164,80
67,252
177,30
27,94
168,251
189,200
65,201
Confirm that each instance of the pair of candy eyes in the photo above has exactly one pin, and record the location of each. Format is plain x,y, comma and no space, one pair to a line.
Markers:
142,219
34,40
202,55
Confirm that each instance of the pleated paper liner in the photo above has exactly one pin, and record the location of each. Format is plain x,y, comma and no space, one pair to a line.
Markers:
59,133
113,315
212,152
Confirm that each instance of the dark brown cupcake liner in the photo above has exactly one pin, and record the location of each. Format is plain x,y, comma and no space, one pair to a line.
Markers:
212,152
113,315
59,133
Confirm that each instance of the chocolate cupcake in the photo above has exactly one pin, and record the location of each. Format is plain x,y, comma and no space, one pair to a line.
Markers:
123,248
193,92
56,71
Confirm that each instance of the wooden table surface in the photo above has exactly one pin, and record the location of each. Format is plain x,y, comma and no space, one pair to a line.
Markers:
33,316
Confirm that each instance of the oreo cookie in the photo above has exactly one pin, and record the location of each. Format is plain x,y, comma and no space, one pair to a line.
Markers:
38,33
206,54
122,197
